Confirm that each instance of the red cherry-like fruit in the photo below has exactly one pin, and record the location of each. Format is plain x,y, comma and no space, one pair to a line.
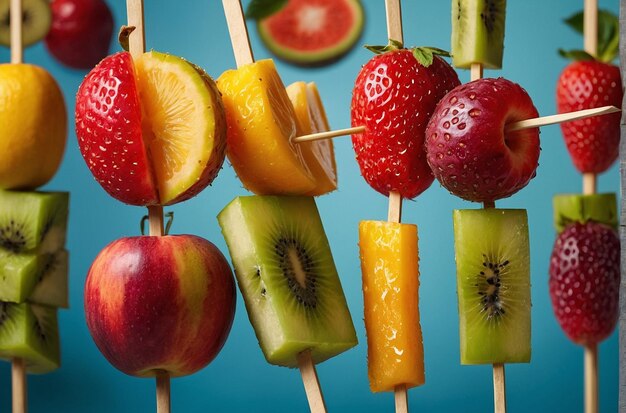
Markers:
160,304
394,96
80,33
584,281
467,147
593,143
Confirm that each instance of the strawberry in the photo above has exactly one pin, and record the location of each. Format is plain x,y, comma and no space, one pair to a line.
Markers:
394,96
108,119
584,281
467,147
590,82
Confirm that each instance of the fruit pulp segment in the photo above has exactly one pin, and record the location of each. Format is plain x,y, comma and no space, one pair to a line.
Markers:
493,285
319,155
261,124
52,286
182,120
306,32
287,277
389,264
30,332
18,275
569,208
33,221
478,33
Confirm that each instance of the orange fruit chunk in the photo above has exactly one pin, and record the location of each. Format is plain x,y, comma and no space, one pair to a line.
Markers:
319,156
389,264
261,124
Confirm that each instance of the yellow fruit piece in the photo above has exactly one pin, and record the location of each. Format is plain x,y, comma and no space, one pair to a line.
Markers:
319,156
261,124
389,264
33,127
183,124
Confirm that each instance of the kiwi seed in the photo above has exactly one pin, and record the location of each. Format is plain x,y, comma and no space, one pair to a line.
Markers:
299,270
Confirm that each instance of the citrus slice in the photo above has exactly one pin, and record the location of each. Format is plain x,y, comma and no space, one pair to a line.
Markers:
261,124
319,156
182,124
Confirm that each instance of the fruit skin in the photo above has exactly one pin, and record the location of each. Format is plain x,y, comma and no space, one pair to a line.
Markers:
468,149
389,265
313,45
394,97
584,281
593,143
80,33
34,126
108,127
570,208
160,304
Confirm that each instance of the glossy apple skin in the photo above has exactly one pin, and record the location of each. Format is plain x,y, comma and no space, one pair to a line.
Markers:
160,304
80,33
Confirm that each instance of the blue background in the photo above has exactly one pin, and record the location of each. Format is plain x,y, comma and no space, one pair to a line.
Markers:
240,380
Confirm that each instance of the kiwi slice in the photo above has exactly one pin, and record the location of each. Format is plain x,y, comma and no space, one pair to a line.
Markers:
287,277
493,285
18,275
570,208
33,221
51,287
478,32
30,332
36,21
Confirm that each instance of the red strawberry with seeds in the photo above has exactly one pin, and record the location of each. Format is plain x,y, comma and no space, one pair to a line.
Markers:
394,96
468,149
591,82
584,281
107,95
593,143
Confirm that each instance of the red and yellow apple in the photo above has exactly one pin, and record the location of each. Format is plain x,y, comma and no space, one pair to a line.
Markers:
152,130
160,304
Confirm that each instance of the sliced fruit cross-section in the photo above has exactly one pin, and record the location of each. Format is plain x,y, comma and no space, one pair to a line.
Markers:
288,278
570,208
493,283
389,263
151,131
311,118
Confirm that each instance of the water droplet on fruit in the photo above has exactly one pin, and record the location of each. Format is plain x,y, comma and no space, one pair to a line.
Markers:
472,96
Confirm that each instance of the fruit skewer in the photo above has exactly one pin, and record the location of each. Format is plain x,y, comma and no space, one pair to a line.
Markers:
244,56
18,368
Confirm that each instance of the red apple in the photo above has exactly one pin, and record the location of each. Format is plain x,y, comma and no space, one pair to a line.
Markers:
80,33
467,147
160,304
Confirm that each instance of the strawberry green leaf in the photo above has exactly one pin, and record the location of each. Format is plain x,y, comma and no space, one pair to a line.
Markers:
393,45
259,9
425,55
575,55
608,33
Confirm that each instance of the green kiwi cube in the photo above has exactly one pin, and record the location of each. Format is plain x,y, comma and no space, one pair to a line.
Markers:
32,221
52,283
287,277
478,33
30,332
493,285
570,208
18,275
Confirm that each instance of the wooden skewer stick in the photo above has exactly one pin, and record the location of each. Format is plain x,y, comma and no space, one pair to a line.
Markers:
511,127
18,368
591,379
402,401
238,31
590,29
136,47
18,378
499,388
311,383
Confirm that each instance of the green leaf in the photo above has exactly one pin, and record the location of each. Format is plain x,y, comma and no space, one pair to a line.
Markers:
575,55
608,33
259,9
393,45
425,55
